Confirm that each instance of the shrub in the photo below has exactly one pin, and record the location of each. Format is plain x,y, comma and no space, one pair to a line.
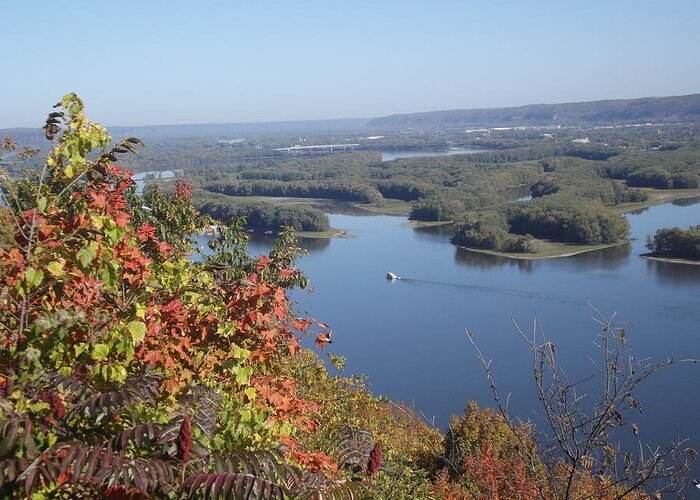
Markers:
128,370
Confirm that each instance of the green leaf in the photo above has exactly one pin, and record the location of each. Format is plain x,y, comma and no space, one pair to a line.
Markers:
251,393
137,329
107,277
38,407
140,311
243,374
80,348
33,277
87,254
41,204
240,353
100,351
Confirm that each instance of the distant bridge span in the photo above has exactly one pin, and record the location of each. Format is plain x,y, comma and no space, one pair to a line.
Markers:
319,147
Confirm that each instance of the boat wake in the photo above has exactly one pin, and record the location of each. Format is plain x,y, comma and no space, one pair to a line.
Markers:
495,290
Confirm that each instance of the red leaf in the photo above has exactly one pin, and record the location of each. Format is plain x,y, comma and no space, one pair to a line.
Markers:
322,339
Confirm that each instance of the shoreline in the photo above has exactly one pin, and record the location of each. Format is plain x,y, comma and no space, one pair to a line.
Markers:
669,260
373,209
530,256
419,223
662,196
324,235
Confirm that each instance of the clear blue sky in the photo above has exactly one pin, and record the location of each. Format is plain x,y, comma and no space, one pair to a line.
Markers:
158,62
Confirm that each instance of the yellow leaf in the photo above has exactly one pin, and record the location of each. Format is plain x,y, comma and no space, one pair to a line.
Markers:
140,311
137,329
56,268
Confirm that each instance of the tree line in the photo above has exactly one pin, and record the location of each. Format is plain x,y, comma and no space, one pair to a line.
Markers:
676,243
261,215
340,190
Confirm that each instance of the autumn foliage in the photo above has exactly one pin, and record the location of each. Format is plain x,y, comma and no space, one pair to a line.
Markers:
108,328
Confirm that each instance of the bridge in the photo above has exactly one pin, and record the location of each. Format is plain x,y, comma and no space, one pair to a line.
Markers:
320,147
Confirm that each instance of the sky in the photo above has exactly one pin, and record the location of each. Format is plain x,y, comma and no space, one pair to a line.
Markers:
205,61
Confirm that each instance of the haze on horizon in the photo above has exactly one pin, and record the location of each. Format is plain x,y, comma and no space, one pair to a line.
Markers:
139,63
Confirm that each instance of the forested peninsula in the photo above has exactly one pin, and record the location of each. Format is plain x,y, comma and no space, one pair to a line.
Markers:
576,191
578,179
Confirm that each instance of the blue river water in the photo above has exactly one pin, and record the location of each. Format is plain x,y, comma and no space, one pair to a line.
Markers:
408,336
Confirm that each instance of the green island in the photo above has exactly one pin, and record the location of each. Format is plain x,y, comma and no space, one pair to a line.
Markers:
577,191
578,179
675,245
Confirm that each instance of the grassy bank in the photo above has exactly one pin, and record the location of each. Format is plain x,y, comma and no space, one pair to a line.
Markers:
388,207
331,233
651,256
656,197
420,223
550,250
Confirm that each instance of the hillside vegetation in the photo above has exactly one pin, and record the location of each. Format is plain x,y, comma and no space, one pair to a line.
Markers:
574,189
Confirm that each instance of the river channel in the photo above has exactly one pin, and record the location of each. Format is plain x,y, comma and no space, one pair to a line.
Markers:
409,337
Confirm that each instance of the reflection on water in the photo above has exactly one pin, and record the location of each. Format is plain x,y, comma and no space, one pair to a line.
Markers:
470,258
673,273
686,202
437,233
260,243
314,245
520,193
637,211
606,258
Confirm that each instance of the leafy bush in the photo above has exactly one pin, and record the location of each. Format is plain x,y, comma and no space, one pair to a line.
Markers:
484,458
128,370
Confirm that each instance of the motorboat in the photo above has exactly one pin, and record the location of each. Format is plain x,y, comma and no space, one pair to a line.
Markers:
392,277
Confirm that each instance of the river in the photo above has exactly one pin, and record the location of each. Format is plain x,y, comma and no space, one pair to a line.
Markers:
409,336
413,153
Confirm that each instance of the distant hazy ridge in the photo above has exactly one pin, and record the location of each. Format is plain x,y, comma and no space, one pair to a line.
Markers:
678,109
